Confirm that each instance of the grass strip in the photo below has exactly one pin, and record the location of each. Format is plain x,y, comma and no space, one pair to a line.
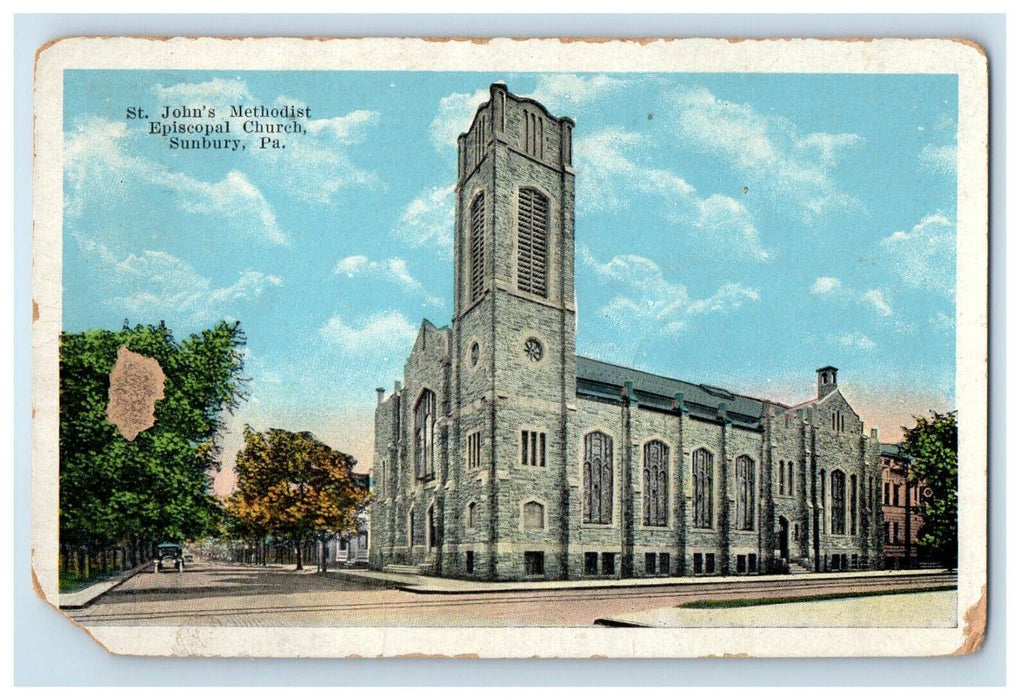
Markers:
749,602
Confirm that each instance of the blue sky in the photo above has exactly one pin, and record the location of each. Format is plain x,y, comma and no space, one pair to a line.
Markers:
732,229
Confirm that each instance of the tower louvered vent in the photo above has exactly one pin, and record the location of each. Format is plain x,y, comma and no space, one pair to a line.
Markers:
532,258
477,247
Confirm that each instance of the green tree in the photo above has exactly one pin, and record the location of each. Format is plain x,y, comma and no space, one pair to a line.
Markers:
158,485
293,486
932,446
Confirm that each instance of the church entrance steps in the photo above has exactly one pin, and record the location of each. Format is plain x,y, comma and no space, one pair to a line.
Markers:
799,566
405,569
854,582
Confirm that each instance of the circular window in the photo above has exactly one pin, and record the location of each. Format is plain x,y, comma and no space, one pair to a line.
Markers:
533,349
475,354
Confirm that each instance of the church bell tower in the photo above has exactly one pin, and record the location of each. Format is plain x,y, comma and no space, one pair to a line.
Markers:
514,323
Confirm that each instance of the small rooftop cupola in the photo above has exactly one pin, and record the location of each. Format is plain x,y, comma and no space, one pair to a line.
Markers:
827,381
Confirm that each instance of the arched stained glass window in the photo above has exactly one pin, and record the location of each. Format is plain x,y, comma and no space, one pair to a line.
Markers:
597,487
424,435
745,491
837,502
702,488
853,506
655,462
532,232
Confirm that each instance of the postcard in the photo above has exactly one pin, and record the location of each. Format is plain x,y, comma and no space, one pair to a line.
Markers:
512,348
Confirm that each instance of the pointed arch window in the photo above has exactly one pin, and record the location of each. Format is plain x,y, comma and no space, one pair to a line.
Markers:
745,489
597,489
853,506
424,435
656,458
702,488
477,246
532,232
837,502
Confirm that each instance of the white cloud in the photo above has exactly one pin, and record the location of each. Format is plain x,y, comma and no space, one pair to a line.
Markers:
857,341
768,149
825,286
561,92
210,92
925,256
651,300
349,129
427,220
234,197
612,177
875,299
99,170
825,147
943,322
383,333
453,118
393,269
156,284
938,160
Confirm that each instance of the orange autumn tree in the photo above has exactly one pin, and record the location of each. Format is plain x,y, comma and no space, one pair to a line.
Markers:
295,487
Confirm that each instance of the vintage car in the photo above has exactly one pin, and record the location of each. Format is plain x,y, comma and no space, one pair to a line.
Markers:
169,556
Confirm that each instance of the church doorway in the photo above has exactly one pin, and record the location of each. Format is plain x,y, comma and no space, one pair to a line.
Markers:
784,529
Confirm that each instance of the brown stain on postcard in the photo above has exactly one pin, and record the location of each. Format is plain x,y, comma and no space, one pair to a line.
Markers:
137,383
976,619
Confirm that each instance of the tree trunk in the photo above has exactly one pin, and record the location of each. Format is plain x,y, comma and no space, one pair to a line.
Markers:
299,556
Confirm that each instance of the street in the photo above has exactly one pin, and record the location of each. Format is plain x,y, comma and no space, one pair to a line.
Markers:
222,594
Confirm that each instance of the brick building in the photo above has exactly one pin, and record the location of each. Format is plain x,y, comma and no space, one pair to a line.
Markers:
899,499
505,455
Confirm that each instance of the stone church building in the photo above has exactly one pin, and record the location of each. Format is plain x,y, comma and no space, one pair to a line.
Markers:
505,455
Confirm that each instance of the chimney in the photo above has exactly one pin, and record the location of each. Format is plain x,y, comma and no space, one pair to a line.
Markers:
827,381
397,387
381,393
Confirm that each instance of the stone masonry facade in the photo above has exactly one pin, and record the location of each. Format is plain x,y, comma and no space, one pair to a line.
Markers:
503,455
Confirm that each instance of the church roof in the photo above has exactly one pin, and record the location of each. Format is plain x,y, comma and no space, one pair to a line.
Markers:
603,380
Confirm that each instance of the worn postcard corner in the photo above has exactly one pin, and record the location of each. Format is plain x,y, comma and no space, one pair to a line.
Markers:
512,348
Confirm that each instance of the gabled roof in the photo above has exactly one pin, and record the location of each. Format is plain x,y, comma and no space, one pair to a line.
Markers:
889,449
603,380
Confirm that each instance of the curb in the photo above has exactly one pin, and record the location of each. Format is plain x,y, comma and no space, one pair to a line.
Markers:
431,585
82,598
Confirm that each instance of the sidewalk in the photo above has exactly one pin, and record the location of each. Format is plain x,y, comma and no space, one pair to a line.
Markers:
413,583
84,596
933,609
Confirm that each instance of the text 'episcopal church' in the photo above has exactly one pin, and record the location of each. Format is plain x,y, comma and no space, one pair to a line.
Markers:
504,455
